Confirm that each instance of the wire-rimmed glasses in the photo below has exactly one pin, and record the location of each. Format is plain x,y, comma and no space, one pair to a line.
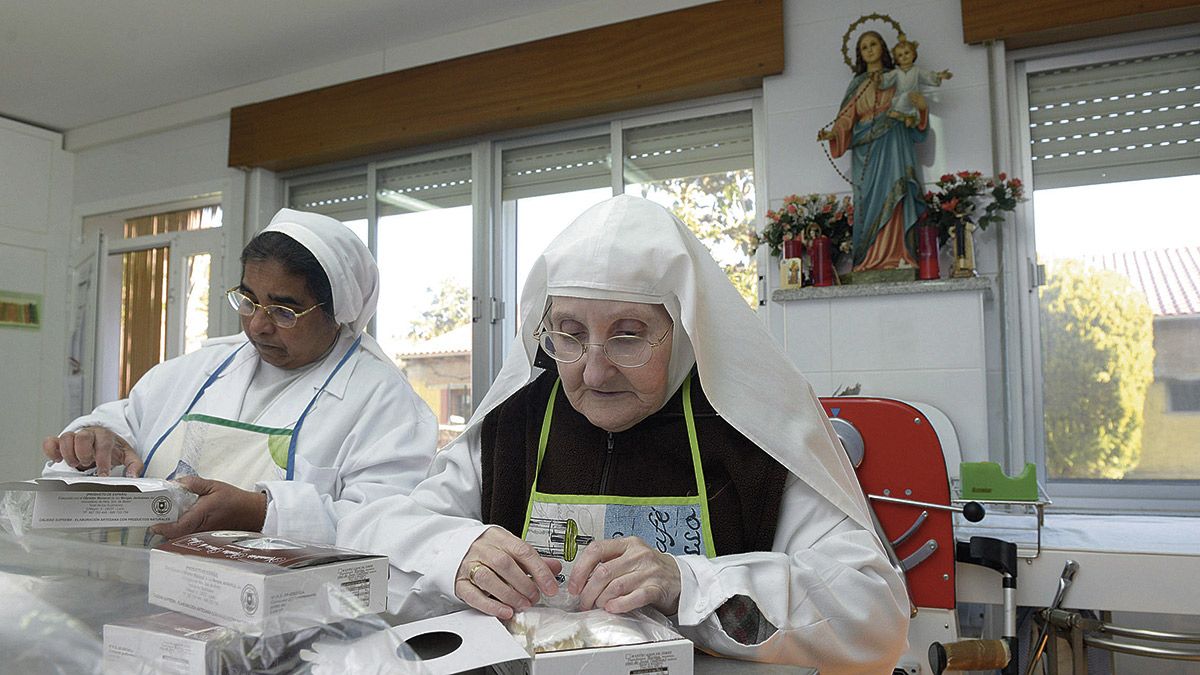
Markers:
626,351
284,317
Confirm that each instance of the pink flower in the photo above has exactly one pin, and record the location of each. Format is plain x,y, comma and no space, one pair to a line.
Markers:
1002,176
791,208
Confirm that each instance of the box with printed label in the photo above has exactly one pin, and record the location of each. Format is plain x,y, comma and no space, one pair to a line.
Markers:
265,585
470,640
78,501
666,657
167,642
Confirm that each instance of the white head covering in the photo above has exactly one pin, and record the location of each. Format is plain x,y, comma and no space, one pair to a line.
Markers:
348,263
631,249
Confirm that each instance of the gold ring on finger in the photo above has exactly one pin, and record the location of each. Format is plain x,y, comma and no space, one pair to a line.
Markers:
472,570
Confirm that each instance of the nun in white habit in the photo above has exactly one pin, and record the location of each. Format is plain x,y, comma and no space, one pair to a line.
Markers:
287,427
647,443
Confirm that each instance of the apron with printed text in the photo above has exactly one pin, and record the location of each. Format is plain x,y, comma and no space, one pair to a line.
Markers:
561,525
227,450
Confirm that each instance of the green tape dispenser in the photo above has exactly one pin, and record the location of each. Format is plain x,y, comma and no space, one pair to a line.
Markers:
986,481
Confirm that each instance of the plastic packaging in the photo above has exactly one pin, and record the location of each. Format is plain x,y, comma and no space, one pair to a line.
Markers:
57,595
17,502
546,628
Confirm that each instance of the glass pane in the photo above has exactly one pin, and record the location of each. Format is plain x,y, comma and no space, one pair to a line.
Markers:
344,198
173,221
544,188
702,170
424,319
1120,321
195,307
143,325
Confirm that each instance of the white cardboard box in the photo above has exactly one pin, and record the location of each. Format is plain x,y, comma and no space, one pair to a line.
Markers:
484,641
91,501
168,643
667,657
265,585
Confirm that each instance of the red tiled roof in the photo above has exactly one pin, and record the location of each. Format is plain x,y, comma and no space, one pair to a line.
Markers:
1169,278
457,341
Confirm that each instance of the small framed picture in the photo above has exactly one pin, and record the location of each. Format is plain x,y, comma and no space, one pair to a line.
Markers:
791,272
21,310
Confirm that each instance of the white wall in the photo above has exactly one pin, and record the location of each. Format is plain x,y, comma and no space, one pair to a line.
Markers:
35,185
916,347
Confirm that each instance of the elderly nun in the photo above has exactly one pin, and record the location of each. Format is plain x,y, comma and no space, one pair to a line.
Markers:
648,443
287,427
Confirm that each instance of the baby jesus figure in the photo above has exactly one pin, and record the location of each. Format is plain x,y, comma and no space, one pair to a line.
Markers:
907,80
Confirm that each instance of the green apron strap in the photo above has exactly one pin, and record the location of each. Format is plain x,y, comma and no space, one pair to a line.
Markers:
706,527
541,451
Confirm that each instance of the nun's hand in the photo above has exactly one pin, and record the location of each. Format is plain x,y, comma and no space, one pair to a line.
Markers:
624,574
501,574
93,446
221,506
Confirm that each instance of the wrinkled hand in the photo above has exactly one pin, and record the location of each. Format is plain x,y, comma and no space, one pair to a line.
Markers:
93,446
221,506
508,574
624,574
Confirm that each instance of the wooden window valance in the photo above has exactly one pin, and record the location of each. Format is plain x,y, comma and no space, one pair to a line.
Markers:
1028,23
705,50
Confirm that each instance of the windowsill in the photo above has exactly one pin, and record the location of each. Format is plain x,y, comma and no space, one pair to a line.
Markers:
984,284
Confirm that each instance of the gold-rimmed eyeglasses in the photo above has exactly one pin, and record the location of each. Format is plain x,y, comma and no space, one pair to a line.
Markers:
626,351
284,317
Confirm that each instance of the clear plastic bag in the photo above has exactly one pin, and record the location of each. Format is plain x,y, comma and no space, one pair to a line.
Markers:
57,595
556,624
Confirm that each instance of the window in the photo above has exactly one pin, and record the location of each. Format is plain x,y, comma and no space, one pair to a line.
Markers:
456,231
158,276
1183,396
1114,147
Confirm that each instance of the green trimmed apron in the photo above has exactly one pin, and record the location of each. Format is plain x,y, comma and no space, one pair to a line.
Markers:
560,526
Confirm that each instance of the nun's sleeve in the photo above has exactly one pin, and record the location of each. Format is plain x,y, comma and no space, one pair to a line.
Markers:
825,597
387,437
425,534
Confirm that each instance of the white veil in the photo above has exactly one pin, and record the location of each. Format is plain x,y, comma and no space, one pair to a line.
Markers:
352,271
630,249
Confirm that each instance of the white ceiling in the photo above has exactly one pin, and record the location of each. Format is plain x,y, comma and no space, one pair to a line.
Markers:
65,64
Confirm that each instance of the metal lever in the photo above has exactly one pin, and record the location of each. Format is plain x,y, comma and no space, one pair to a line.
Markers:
972,511
1064,582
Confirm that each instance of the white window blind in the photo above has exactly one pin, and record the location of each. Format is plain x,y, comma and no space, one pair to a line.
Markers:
688,148
344,198
422,186
1130,119
552,168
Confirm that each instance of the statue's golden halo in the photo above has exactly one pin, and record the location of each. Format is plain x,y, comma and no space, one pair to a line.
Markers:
860,21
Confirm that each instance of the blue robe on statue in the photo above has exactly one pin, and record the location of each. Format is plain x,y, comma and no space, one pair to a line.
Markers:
884,174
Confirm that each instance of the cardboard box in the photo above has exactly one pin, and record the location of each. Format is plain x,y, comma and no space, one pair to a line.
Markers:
93,502
265,585
469,639
667,657
168,642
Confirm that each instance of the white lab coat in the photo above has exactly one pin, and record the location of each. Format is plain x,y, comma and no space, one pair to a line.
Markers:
836,601
367,436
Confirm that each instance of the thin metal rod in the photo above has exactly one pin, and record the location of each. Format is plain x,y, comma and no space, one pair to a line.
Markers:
1141,650
1160,636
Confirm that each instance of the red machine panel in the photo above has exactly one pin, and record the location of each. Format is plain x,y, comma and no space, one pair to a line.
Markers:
902,458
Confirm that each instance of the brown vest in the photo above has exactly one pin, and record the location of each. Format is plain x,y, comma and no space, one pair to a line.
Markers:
651,459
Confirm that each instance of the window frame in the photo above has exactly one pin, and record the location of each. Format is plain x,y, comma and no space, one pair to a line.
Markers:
1022,343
